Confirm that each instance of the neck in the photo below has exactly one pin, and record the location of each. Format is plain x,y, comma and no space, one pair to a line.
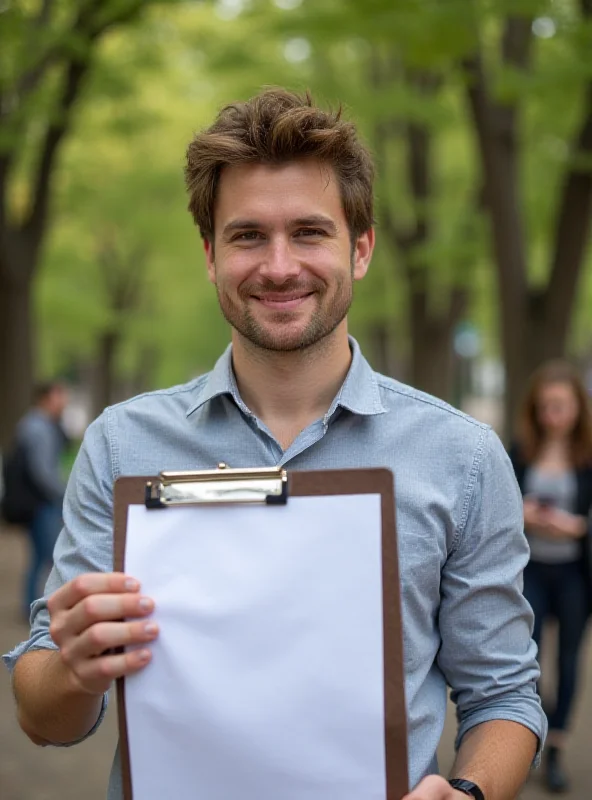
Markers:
291,388
556,448
556,441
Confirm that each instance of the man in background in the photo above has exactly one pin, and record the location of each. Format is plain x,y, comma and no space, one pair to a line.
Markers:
33,484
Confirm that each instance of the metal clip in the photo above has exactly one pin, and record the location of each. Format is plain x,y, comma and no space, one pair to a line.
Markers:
268,485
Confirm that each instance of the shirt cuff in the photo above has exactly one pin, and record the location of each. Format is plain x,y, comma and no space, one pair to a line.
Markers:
531,717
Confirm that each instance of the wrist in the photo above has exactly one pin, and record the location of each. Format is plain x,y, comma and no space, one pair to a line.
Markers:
51,705
466,788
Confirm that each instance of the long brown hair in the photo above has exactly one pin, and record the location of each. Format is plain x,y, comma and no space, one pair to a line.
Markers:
275,127
530,432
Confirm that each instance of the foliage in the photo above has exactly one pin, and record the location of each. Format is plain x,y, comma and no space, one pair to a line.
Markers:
121,184
121,174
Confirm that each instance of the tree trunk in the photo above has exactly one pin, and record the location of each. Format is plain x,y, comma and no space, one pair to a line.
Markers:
21,244
104,388
495,129
432,355
16,346
381,348
534,324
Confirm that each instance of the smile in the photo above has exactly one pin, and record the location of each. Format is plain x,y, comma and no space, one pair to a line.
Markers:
283,302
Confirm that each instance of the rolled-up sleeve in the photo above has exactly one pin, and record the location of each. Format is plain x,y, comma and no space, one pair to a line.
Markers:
85,541
487,652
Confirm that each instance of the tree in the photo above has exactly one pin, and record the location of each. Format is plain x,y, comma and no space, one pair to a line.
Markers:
535,319
47,53
521,92
433,237
435,308
120,183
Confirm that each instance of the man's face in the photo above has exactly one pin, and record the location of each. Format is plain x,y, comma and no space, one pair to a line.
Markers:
283,262
57,401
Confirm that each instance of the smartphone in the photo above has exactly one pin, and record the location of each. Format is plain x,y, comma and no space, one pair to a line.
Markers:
546,501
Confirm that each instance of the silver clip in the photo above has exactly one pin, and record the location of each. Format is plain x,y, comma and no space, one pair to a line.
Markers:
222,485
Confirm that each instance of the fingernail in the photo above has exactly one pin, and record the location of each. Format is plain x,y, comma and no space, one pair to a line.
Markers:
131,585
144,655
150,628
146,604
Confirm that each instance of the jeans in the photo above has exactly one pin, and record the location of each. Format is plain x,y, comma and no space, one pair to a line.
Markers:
559,590
43,533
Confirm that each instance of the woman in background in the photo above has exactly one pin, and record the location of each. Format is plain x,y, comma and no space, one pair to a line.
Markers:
552,458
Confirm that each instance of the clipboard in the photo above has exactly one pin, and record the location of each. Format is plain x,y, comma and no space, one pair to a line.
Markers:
272,487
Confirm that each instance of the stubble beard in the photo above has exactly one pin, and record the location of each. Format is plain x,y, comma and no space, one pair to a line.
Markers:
279,335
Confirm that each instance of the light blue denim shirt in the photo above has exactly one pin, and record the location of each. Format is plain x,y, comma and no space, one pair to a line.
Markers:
459,518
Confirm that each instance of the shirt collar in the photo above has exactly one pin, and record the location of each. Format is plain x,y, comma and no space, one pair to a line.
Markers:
219,381
359,393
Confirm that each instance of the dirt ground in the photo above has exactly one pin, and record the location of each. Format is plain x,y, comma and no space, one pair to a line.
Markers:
31,773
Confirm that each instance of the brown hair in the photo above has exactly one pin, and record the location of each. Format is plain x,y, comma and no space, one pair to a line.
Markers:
275,127
43,389
530,432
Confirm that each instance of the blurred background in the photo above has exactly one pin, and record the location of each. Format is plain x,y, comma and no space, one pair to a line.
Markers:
479,114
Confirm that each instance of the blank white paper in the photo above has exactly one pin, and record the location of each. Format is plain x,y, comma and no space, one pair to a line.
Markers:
267,678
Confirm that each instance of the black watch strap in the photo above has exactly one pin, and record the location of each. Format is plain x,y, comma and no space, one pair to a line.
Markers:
468,787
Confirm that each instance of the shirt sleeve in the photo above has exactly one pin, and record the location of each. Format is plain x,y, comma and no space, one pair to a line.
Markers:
85,543
487,653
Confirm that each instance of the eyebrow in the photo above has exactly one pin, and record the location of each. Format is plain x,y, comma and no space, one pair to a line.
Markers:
317,221
240,225
314,221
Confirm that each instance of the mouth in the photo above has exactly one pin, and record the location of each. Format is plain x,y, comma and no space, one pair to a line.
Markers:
283,301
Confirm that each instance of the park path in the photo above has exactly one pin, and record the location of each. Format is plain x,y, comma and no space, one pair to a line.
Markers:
31,773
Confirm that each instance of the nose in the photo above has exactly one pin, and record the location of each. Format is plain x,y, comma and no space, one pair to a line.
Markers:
279,264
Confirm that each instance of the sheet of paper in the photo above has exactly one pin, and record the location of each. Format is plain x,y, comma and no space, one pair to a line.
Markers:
267,678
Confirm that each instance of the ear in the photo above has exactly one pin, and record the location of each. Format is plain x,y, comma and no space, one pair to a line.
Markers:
363,253
209,252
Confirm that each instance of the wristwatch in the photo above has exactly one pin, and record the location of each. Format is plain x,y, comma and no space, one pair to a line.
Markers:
468,787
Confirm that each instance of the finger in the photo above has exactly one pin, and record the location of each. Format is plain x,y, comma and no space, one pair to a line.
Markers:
76,590
97,673
98,608
108,636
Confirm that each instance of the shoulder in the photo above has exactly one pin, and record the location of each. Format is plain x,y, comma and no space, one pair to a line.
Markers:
32,424
436,436
132,421
414,406
463,457
128,436
176,399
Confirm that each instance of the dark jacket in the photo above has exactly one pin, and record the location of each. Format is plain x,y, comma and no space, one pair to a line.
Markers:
583,508
31,469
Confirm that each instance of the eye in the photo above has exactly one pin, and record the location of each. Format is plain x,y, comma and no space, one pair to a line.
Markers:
247,236
310,232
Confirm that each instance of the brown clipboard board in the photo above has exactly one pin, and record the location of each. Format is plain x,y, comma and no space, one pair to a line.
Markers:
314,483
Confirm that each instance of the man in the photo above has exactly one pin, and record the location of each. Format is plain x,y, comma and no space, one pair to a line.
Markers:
33,486
282,194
